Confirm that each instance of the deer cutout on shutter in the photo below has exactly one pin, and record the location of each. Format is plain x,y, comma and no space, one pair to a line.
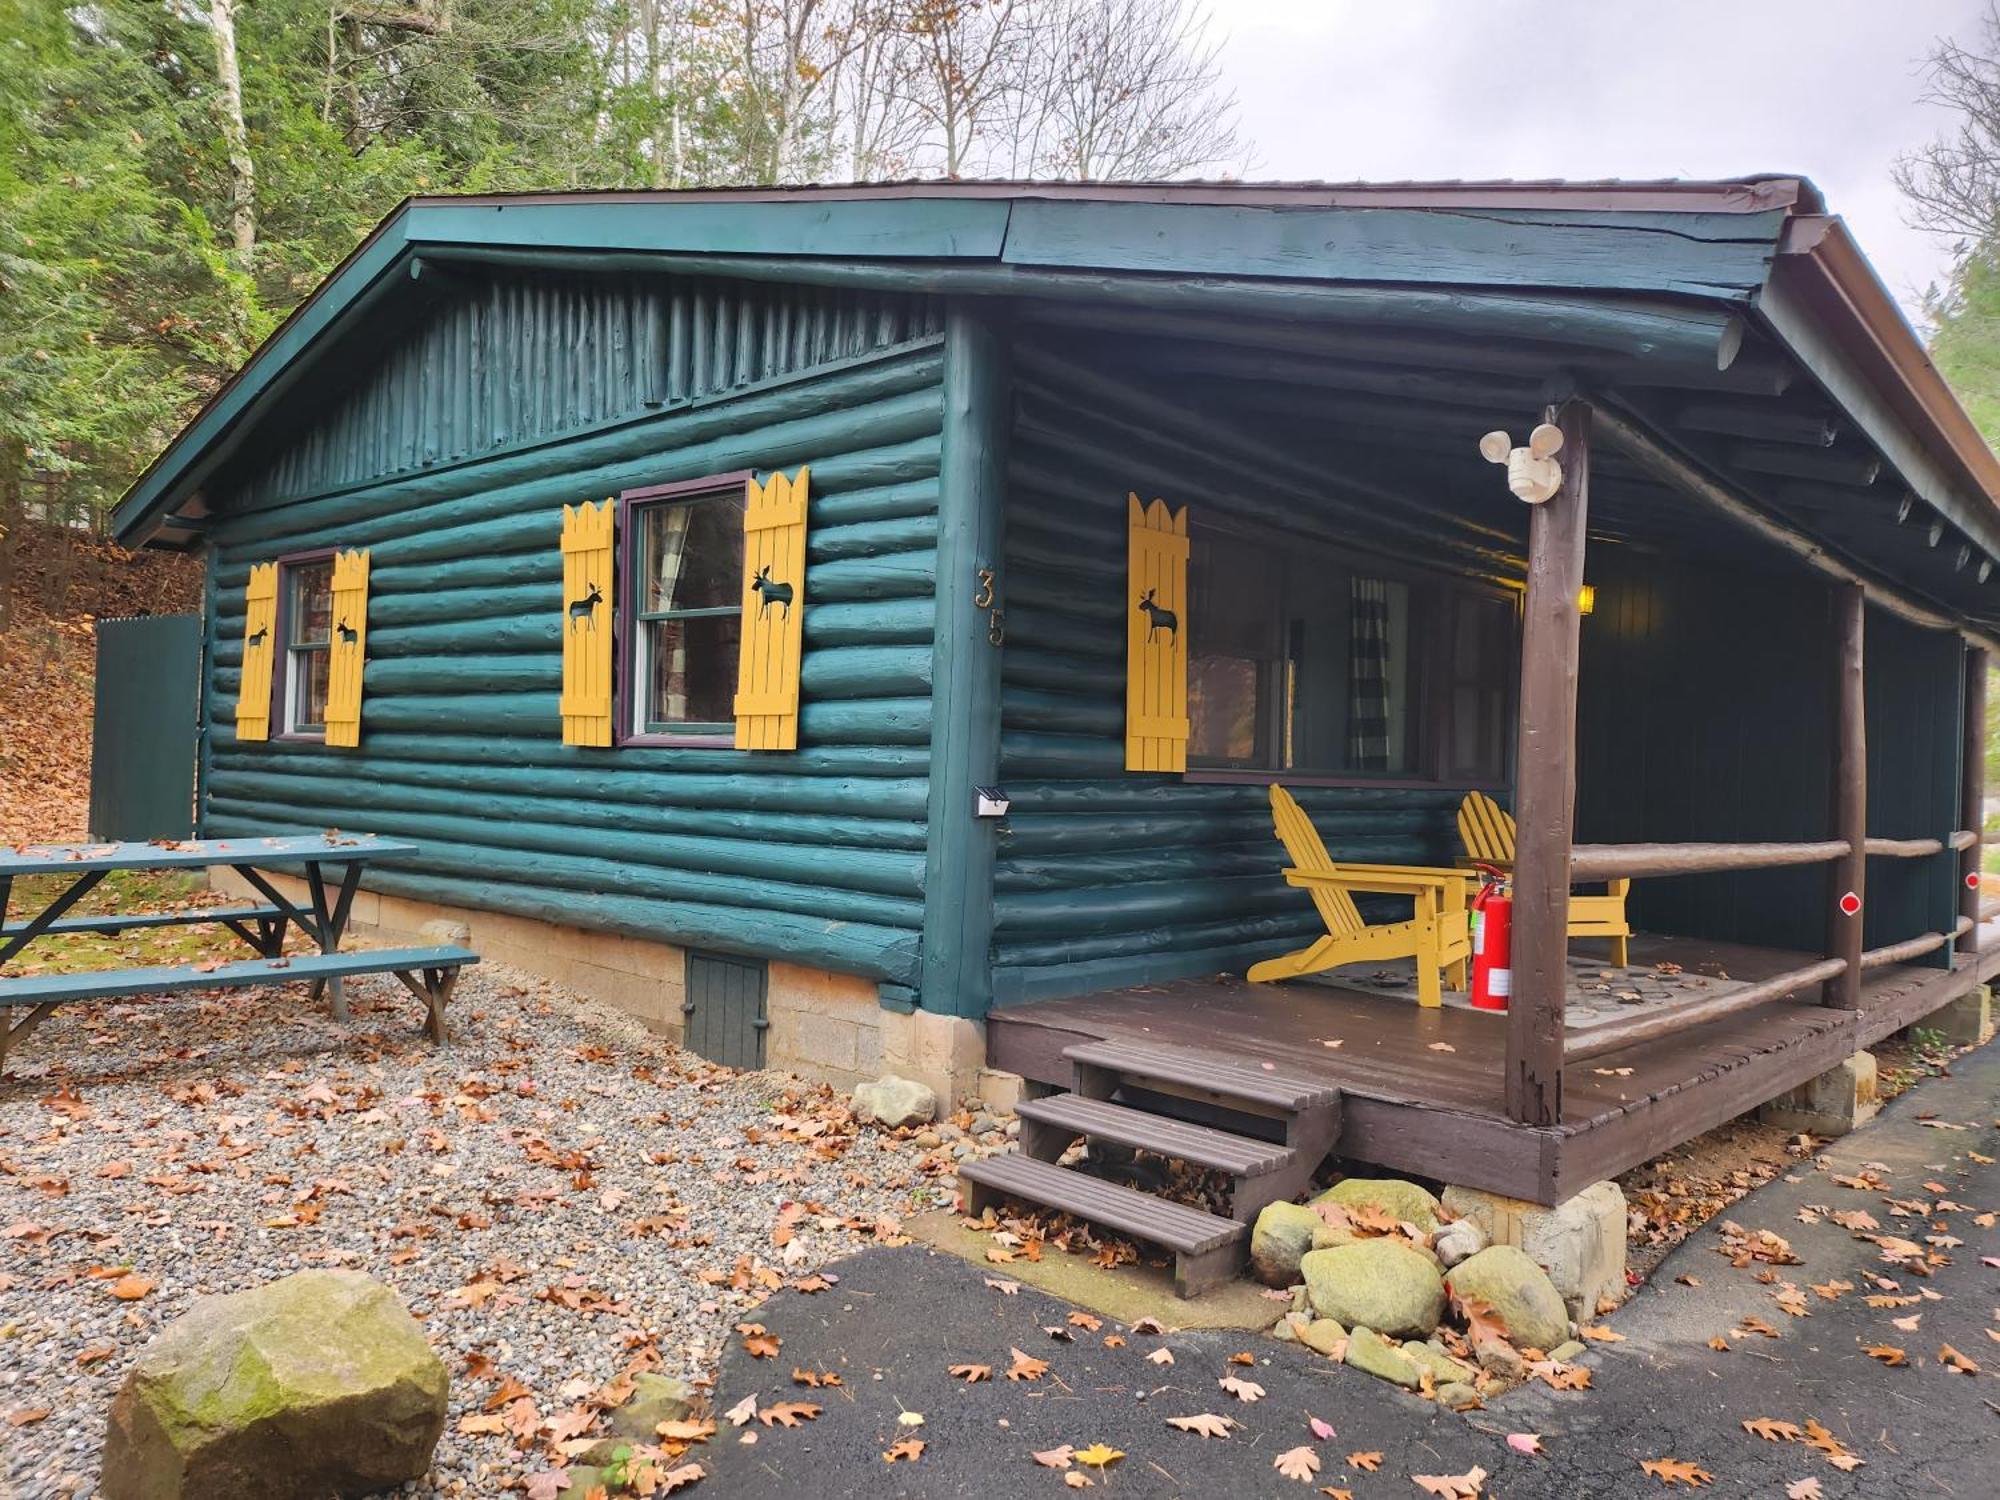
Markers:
774,601
588,565
1156,706
348,655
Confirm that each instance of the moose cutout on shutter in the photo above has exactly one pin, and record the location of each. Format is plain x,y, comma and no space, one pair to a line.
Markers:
1156,707
260,618
348,655
774,567
587,634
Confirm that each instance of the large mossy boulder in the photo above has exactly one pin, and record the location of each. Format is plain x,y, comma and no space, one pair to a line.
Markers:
655,1399
1279,1239
1522,1297
317,1385
1403,1201
1379,1284
1372,1354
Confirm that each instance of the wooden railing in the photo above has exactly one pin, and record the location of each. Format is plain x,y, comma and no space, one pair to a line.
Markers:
1617,861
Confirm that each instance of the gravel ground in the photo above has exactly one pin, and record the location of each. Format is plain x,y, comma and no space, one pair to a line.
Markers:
561,1197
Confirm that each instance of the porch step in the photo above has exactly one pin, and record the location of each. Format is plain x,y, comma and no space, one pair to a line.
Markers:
1102,1120
1204,1074
1207,1249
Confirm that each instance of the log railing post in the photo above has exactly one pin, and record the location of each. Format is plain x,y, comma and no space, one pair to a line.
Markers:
1545,781
1972,794
1846,877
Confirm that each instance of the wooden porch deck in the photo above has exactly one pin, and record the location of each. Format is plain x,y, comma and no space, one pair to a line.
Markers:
1423,1088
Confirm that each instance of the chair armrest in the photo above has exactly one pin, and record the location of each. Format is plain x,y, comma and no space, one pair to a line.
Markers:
1389,880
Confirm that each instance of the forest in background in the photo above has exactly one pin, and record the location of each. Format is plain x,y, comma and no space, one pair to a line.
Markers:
176,175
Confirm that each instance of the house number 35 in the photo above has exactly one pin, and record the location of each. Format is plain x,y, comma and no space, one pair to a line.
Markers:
996,627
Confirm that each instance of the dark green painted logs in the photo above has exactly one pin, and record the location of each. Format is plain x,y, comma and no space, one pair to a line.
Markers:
1107,877
815,856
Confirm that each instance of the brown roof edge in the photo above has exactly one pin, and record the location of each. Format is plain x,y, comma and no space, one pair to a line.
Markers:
1820,251
1752,194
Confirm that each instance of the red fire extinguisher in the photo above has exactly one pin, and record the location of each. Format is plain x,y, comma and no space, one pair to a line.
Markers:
1492,943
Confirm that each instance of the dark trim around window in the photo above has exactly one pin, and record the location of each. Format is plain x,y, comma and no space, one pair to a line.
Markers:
624,614
281,650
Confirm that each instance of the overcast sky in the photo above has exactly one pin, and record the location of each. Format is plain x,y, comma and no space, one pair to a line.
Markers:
1384,89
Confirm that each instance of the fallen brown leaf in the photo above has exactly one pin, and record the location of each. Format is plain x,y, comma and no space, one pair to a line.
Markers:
1204,1424
1299,1463
1672,1471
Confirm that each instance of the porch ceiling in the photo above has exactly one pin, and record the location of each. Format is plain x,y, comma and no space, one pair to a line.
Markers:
1382,427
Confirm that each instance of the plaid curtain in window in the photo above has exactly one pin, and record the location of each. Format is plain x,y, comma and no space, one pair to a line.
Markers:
1368,676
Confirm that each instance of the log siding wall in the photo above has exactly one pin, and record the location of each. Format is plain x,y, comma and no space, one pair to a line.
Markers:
1106,877
816,855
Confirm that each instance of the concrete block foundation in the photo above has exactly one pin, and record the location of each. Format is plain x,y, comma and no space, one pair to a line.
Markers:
824,1026
1841,1099
1580,1242
1967,1021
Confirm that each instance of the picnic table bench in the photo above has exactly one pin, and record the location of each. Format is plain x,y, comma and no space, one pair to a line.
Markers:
429,973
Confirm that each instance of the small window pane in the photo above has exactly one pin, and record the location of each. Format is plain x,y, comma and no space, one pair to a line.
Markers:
691,676
310,671
311,603
1225,708
692,555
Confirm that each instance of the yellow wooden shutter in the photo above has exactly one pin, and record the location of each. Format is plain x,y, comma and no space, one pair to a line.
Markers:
349,649
774,601
1156,712
587,589
260,620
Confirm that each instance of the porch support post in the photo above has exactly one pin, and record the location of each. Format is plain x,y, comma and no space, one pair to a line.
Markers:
1545,781
1847,876
1972,794
956,972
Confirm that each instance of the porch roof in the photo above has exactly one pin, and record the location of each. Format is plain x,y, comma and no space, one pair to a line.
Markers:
1734,322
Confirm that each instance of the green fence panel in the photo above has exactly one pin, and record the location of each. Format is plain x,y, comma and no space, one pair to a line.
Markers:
142,746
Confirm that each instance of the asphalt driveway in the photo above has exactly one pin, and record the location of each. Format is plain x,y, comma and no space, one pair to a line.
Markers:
899,1319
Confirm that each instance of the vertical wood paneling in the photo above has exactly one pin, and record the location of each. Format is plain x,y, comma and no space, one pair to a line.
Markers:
521,359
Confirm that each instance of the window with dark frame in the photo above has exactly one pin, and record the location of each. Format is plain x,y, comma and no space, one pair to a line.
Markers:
1307,659
306,601
681,622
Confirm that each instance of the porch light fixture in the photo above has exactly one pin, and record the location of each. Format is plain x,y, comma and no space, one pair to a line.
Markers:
1532,472
1586,599
990,802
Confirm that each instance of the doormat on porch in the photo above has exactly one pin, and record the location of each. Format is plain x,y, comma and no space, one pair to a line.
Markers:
1598,992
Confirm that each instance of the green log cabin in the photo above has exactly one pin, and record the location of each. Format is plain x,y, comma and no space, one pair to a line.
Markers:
859,629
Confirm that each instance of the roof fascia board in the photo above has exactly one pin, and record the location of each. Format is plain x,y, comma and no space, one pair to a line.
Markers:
193,454
1736,196
906,228
1828,308
1709,255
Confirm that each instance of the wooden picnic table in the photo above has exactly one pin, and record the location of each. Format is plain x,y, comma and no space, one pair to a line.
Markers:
84,865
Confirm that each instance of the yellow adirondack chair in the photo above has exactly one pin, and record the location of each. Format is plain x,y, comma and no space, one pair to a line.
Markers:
1488,832
1435,935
